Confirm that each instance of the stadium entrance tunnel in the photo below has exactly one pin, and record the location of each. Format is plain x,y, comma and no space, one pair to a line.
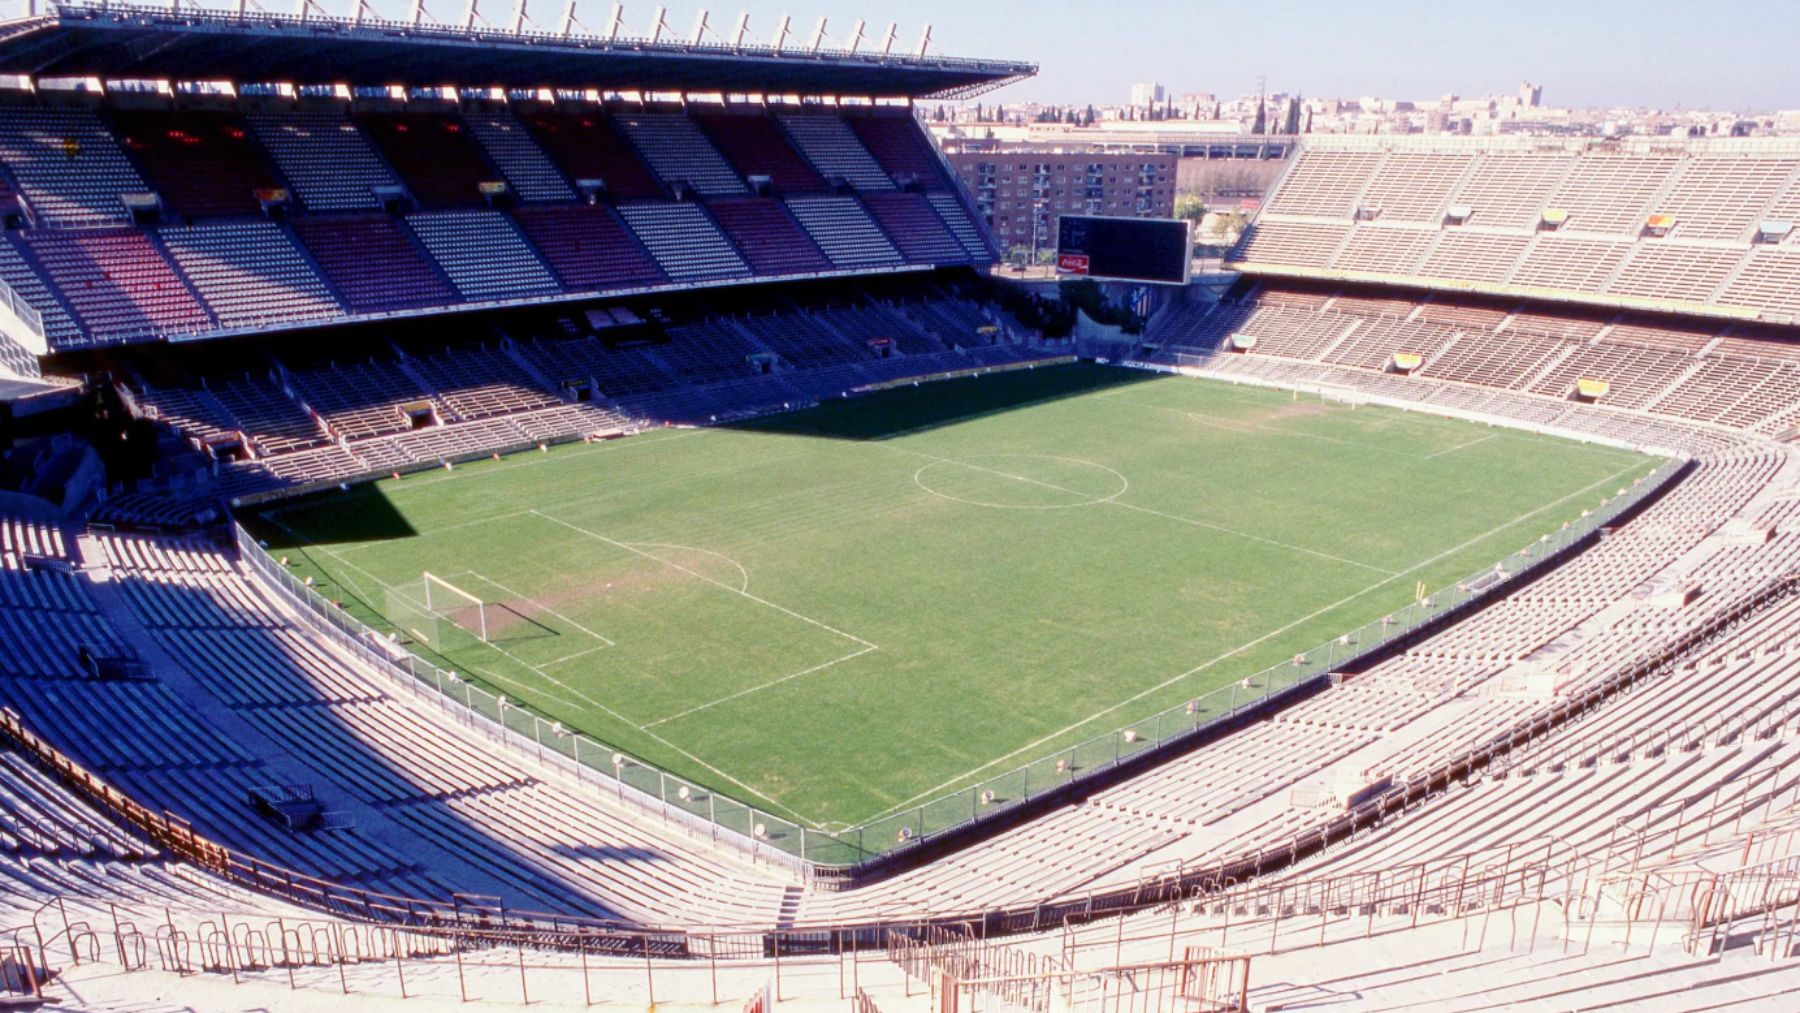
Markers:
889,413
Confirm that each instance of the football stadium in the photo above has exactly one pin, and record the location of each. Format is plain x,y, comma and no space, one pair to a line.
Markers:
521,513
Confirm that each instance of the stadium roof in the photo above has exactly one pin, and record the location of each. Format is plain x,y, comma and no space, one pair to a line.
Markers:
130,41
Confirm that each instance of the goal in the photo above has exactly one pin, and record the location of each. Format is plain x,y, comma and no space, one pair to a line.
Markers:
436,612
445,599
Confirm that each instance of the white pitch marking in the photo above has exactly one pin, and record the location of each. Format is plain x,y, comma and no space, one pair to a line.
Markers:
930,792
597,705
701,576
1115,501
705,552
547,610
577,654
1239,426
1461,446
1124,483
622,719
494,676
757,689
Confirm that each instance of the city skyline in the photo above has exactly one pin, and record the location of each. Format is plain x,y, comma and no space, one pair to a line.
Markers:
1594,54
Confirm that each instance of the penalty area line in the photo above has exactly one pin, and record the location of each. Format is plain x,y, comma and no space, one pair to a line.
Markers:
536,604
769,803
757,689
634,550
1461,446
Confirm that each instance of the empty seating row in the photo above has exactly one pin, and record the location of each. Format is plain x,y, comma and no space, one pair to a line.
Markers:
588,149
679,152
327,161
117,283
67,165
956,217
527,169
479,383
757,147
684,241
845,232
202,164
440,163
483,254
59,327
771,241
912,224
900,146
372,263
1642,221
249,273
588,247
835,151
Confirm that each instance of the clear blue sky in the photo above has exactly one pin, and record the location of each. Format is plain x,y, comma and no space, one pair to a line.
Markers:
1723,54
1730,54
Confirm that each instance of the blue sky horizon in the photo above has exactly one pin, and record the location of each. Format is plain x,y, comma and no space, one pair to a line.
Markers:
1724,54
1705,54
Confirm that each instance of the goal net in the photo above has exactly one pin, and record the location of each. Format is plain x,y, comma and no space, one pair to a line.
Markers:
1349,396
437,612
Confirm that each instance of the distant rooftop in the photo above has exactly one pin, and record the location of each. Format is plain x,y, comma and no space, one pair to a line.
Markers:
132,41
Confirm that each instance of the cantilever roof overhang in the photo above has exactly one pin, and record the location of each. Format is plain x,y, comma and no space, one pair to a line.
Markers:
130,41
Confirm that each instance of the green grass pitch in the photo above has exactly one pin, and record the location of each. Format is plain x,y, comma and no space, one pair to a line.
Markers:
839,613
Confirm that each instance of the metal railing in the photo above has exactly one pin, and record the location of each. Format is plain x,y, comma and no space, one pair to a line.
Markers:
769,837
31,318
461,923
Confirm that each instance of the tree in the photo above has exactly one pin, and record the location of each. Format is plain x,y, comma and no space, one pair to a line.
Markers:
1292,126
1262,119
1091,117
1190,206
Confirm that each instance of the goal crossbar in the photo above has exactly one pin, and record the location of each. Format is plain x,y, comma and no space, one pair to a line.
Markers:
446,599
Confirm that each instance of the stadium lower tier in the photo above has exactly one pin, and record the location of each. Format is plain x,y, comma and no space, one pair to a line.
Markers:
1736,375
294,416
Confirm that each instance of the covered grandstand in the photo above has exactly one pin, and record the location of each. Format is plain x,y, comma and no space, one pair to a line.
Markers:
312,284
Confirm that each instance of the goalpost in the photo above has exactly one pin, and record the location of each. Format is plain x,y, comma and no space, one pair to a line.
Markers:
445,599
436,612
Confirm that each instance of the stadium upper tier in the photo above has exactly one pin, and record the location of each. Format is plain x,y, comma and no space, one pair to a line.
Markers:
174,223
191,42
1698,227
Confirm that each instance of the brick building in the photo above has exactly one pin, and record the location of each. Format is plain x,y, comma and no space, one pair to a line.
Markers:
1012,187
